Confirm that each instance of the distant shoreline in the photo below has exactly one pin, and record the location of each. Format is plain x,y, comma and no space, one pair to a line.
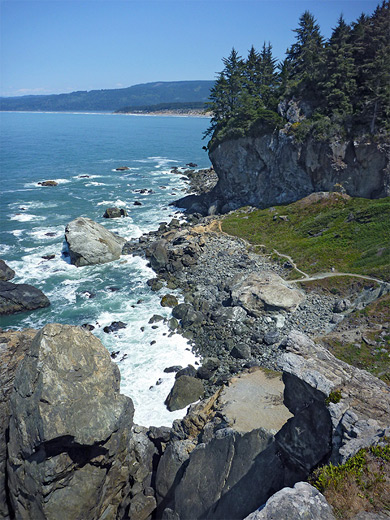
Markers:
168,113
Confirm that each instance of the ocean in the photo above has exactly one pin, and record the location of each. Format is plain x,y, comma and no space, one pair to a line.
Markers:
81,153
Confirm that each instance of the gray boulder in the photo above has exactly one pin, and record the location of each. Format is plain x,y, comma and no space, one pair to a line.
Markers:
259,292
158,255
302,502
185,391
6,273
20,297
69,430
90,243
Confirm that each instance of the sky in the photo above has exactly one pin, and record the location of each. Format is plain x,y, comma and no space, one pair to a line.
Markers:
55,46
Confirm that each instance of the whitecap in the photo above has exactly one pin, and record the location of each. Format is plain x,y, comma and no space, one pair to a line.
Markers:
26,217
96,184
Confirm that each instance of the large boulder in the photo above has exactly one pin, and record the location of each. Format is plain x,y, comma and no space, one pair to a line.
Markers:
6,273
185,391
13,347
259,292
20,297
69,430
90,243
302,502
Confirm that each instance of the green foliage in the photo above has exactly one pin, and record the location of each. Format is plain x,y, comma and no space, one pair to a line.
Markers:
345,80
333,397
348,235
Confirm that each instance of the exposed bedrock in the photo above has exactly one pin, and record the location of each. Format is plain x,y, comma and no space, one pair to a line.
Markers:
275,169
90,243
70,430
211,470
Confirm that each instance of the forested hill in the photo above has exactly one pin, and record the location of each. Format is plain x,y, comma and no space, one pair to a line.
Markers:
114,99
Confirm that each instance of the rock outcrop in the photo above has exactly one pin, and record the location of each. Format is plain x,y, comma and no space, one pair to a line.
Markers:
13,347
6,273
276,169
358,403
69,430
90,243
302,502
20,297
211,470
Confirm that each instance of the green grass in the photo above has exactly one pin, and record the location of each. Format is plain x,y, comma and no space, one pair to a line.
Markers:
346,234
361,484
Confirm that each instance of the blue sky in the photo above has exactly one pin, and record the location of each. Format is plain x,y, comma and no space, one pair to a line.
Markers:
58,46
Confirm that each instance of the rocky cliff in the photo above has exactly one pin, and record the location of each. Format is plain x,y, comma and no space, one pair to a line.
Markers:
277,169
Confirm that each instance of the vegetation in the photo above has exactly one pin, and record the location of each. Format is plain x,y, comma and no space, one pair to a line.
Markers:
161,107
333,397
361,484
335,233
114,99
344,83
370,349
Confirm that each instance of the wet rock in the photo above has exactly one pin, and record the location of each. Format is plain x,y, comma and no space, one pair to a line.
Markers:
90,243
6,273
20,298
48,257
87,326
122,169
157,255
187,371
137,203
115,213
173,324
114,327
155,284
174,368
185,391
169,300
80,433
48,183
155,318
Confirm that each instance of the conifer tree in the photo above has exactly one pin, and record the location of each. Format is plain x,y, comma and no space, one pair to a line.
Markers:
305,57
268,76
339,85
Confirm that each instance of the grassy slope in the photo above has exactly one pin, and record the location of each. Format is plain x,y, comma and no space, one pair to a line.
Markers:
349,235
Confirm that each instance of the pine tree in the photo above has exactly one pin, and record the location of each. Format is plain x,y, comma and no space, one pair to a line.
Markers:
375,70
269,77
339,85
305,58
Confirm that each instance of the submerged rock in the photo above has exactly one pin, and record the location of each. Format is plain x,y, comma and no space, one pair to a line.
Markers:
20,298
69,430
90,243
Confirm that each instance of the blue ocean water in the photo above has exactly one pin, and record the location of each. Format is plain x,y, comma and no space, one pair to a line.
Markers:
81,153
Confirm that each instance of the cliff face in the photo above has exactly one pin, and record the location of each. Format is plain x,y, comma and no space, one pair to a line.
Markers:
276,169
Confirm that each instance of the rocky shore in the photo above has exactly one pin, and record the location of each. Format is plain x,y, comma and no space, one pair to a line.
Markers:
238,305
273,403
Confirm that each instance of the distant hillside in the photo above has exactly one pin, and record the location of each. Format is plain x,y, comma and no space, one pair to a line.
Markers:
114,99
